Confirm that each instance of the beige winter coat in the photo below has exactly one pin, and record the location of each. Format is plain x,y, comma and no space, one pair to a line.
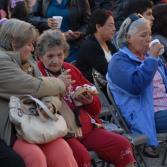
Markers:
14,81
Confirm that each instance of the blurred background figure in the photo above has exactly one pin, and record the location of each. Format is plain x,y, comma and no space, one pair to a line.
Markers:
75,15
30,4
13,9
159,29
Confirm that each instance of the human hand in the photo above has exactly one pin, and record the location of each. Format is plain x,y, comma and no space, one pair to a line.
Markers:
66,78
2,14
72,34
52,23
83,95
156,48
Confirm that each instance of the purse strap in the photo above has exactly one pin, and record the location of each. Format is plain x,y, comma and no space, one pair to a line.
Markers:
42,105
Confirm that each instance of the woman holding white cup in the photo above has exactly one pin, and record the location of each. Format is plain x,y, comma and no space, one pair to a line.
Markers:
75,17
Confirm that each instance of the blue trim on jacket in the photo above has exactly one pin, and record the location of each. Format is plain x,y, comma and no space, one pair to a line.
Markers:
130,81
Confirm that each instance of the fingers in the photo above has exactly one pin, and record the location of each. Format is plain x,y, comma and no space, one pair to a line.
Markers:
52,23
66,78
156,48
84,97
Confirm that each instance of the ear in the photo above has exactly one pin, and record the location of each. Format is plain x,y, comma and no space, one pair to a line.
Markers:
13,46
128,37
98,26
40,58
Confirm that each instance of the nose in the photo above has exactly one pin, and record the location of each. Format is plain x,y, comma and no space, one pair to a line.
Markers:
149,38
152,18
114,28
32,47
55,59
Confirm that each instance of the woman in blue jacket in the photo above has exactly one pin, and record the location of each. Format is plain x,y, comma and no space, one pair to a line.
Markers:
131,74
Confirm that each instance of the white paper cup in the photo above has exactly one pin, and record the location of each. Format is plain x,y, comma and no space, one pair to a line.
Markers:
162,50
59,20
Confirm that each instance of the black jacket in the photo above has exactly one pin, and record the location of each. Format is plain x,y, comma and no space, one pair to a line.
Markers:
79,11
90,56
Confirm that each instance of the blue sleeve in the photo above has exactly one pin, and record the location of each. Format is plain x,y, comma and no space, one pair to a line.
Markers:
130,75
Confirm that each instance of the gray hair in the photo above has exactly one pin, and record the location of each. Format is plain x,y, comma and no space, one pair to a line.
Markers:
50,39
128,28
14,34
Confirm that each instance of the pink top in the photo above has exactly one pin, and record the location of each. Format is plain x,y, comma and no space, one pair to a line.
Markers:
159,93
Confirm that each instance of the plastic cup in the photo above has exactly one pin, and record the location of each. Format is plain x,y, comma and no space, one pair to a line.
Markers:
58,20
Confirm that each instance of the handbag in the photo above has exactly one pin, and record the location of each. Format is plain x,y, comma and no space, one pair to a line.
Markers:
100,79
34,122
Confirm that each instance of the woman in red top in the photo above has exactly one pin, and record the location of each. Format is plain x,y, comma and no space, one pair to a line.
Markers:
51,50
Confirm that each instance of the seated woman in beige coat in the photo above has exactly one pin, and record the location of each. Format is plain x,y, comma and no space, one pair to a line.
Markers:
16,45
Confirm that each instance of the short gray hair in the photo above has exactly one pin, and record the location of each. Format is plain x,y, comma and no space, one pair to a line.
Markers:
128,28
14,34
50,39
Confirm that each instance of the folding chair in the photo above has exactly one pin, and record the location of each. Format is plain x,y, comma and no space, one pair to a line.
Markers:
137,140
97,161
162,137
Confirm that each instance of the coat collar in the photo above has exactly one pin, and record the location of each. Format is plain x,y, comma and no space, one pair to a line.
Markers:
130,54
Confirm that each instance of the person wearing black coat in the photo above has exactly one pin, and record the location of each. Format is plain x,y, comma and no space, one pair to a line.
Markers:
95,52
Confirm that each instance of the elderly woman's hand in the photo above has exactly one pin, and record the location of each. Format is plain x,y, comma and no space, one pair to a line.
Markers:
155,49
66,78
83,96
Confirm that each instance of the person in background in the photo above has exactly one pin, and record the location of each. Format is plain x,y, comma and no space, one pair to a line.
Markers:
51,50
30,4
159,26
134,71
122,9
13,9
96,51
75,15
16,44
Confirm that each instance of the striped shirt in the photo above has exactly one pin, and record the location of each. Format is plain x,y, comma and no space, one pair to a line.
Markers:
159,93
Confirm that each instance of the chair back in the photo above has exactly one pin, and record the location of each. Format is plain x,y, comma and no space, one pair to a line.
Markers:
118,113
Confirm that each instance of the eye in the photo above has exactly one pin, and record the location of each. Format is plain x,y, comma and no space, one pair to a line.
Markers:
50,56
60,54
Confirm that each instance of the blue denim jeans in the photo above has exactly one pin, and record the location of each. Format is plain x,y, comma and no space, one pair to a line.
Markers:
161,121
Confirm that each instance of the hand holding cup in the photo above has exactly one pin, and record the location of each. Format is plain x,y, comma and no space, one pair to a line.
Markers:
156,48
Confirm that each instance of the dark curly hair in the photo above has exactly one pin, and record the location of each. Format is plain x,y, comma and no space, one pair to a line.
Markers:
136,6
160,19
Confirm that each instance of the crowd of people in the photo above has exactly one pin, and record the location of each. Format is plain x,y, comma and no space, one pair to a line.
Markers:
106,40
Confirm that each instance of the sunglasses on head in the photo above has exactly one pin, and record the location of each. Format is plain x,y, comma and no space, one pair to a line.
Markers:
133,17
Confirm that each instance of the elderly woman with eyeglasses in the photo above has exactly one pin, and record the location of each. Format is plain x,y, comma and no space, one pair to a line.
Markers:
137,79
52,48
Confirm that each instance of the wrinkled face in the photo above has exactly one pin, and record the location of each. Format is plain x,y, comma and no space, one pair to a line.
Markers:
107,30
148,15
25,51
53,59
139,42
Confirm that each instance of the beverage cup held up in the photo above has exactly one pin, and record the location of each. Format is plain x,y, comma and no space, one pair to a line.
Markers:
162,50
59,20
